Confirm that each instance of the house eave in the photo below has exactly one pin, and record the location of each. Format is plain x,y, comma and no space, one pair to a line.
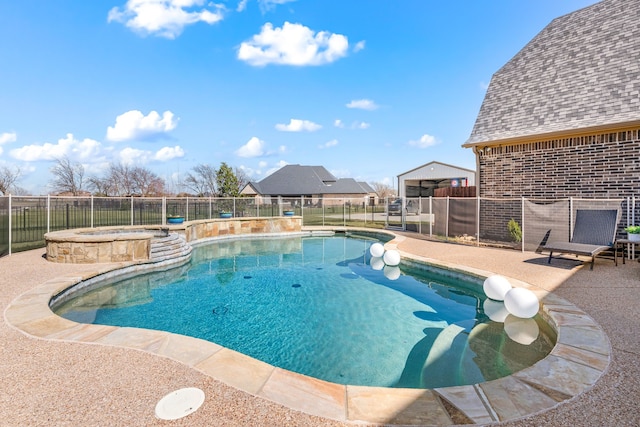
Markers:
611,127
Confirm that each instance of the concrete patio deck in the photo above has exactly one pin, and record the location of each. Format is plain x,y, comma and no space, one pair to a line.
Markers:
68,383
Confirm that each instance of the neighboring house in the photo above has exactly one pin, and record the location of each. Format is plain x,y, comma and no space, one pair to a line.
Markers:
315,183
562,117
424,180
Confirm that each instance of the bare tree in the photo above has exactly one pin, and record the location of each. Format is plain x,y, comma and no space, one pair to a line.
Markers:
243,178
146,182
101,185
124,180
120,177
382,190
203,180
8,178
68,176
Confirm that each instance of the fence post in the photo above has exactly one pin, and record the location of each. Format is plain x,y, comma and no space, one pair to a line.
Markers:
570,218
364,204
10,223
419,214
92,211
432,217
477,220
210,212
48,213
164,211
522,233
446,225
132,211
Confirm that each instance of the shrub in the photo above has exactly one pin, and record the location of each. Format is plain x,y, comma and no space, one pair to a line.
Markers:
514,230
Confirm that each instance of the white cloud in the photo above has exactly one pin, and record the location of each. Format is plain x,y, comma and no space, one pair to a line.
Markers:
338,123
293,44
363,104
132,155
279,165
8,137
86,149
297,125
361,125
133,125
359,46
484,86
424,141
242,5
253,148
262,164
329,144
168,153
266,5
165,18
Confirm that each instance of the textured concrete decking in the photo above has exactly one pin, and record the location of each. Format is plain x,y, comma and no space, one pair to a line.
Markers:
53,383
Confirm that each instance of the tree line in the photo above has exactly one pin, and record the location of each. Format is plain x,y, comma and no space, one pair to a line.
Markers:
120,179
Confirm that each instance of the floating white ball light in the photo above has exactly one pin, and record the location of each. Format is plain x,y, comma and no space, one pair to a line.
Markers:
391,257
391,272
496,287
521,302
495,310
522,331
376,250
377,263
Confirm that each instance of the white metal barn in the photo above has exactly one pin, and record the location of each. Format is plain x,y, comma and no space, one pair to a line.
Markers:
423,180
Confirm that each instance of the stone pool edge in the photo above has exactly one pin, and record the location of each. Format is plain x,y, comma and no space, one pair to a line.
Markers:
581,356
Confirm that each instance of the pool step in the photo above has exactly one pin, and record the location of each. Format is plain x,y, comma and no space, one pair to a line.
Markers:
173,246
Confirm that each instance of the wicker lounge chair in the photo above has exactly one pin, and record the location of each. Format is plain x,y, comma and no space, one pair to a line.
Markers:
594,232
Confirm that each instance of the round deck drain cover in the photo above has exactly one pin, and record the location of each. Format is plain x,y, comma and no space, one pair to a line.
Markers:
179,403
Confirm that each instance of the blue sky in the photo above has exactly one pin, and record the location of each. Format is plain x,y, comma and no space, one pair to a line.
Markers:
368,89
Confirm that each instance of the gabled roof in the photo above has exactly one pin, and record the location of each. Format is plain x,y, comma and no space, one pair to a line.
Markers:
296,180
441,170
366,187
580,72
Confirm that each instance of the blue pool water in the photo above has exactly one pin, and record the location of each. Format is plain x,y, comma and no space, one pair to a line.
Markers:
314,305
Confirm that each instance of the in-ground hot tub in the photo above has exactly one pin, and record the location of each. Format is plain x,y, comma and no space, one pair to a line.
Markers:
106,244
133,243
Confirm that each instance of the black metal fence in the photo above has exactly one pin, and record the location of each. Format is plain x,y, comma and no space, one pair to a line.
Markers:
25,220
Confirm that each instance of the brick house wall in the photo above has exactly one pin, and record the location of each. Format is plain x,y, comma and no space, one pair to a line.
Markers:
603,166
599,166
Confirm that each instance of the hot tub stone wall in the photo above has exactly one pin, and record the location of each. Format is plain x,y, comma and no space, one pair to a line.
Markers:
79,252
205,229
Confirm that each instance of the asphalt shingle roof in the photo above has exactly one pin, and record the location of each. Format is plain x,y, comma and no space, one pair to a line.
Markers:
296,180
581,71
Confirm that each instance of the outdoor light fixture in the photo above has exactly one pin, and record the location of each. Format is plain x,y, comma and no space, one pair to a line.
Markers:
496,287
521,302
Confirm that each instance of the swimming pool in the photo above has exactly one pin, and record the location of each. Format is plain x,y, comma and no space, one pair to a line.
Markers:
314,305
